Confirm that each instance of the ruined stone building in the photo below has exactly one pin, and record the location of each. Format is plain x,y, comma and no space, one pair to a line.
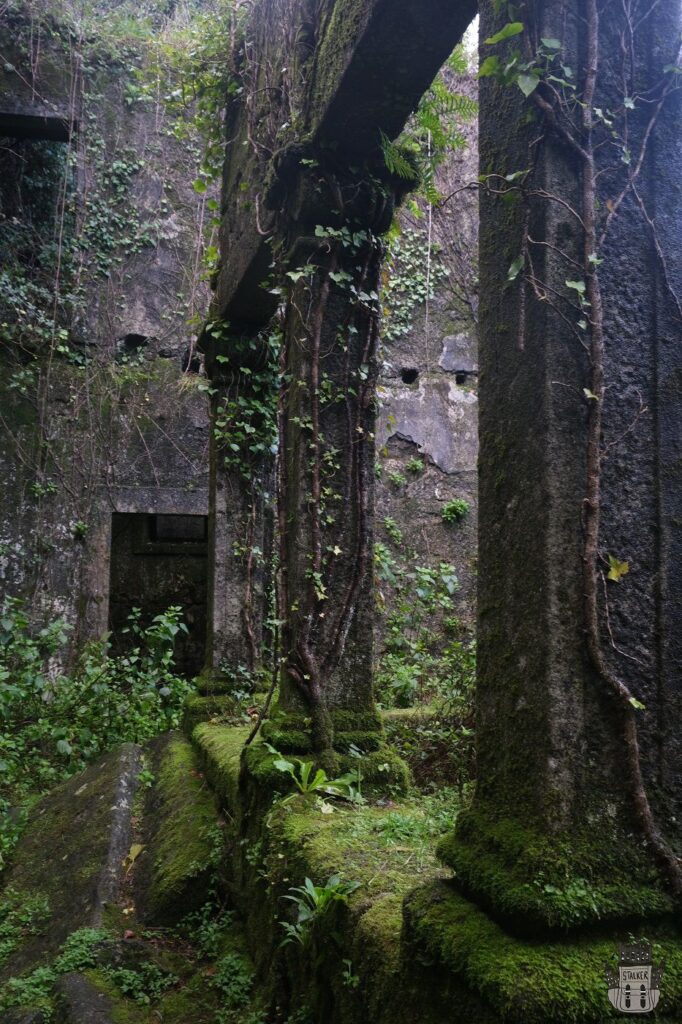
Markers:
232,384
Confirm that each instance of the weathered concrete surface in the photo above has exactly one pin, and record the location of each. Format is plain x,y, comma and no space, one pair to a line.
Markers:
73,852
81,1002
386,52
130,433
438,417
550,748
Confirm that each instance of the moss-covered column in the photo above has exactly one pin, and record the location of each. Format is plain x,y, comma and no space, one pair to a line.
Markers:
331,255
576,811
241,479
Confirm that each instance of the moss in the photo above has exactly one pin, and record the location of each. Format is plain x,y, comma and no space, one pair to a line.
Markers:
199,708
219,748
528,981
551,882
74,824
182,834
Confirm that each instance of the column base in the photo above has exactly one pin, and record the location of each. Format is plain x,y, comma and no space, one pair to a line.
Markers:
537,884
523,981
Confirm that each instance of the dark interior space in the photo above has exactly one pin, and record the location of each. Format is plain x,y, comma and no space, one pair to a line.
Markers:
158,561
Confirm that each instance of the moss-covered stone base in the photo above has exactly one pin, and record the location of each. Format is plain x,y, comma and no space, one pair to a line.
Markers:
529,981
199,708
291,732
539,883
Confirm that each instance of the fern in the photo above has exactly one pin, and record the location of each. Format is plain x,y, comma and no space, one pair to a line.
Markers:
396,161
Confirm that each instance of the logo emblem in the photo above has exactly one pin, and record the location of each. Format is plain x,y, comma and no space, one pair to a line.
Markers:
634,986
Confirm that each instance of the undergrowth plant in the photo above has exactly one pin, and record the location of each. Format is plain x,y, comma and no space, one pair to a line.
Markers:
312,903
52,725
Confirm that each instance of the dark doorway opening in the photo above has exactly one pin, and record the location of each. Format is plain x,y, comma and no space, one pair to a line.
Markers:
158,561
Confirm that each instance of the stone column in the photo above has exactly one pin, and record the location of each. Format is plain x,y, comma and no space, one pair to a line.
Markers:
237,526
331,255
555,835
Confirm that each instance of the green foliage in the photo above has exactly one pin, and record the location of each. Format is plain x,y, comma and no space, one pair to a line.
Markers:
312,903
78,953
308,779
454,511
434,131
233,979
144,984
52,725
393,530
20,915
415,466
411,277
415,663
245,424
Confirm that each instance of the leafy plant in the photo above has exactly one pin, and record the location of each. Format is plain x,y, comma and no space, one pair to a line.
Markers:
52,725
308,779
393,530
145,984
312,903
233,978
454,511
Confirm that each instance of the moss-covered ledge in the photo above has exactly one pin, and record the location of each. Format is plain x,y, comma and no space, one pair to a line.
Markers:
539,883
181,835
351,967
529,981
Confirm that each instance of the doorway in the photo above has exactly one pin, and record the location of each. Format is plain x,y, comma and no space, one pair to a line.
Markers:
158,561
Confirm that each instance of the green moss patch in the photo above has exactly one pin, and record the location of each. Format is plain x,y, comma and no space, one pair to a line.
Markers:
71,853
184,839
548,882
200,708
219,748
529,982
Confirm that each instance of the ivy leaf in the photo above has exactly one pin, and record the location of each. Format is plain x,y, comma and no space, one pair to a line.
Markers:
551,44
490,66
515,268
637,704
578,286
527,84
617,569
199,185
512,28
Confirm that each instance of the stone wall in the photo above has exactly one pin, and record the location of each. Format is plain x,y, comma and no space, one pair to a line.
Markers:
102,410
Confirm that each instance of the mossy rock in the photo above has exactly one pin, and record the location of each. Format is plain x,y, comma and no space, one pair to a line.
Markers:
181,830
219,748
529,981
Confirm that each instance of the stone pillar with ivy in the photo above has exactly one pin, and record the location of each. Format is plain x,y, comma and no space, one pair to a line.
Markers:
242,392
330,257
307,195
576,818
